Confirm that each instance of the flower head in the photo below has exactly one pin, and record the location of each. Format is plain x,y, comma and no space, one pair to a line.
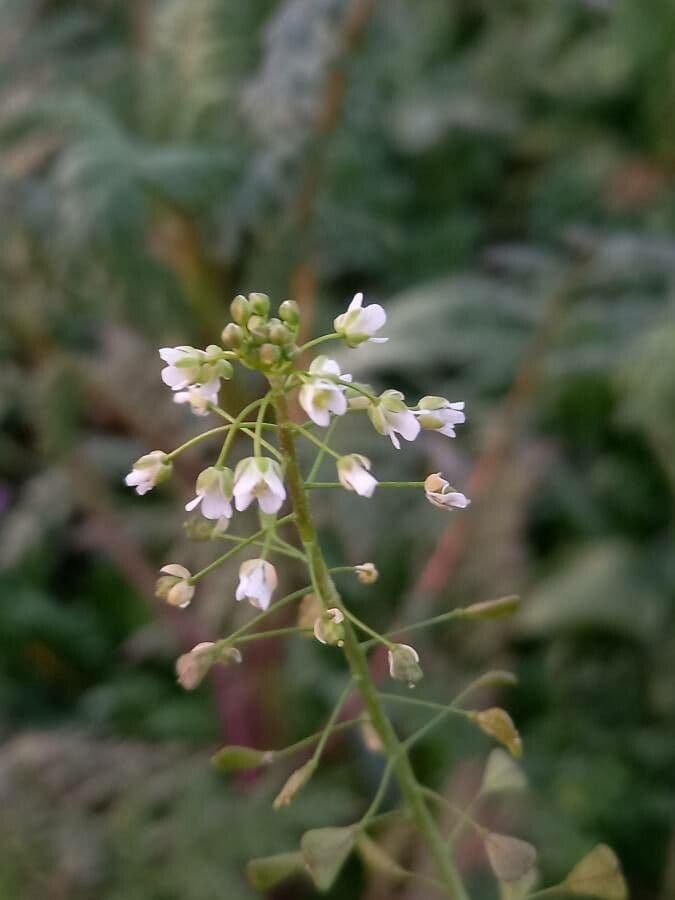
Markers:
391,416
199,396
359,324
322,395
188,366
259,478
367,573
438,414
175,587
257,581
149,471
440,493
404,664
354,474
192,667
214,492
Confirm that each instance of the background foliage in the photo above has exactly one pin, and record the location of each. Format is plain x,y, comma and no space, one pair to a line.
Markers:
501,176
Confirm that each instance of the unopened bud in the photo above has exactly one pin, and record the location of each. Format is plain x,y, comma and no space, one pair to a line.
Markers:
329,629
240,309
258,329
279,333
174,586
259,304
232,335
269,354
289,312
192,667
367,573
404,664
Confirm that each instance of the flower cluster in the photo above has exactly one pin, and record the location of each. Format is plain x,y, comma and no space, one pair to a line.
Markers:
268,343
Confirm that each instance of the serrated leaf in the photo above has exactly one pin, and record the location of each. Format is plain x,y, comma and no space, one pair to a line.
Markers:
502,774
325,851
267,871
598,875
498,724
510,858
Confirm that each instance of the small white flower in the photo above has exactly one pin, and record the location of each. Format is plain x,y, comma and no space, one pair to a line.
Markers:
176,589
321,395
359,324
404,664
353,472
189,366
441,494
259,479
257,581
214,492
367,573
438,414
328,627
149,471
192,667
391,416
199,396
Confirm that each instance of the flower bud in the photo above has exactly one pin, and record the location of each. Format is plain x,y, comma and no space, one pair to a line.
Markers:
175,586
192,667
149,471
232,336
404,664
240,309
259,304
269,354
279,333
258,329
289,312
328,628
440,493
366,573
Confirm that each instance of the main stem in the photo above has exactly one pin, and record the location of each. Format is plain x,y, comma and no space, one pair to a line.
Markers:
329,597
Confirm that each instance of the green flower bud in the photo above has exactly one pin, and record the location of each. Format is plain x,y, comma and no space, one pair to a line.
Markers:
328,628
259,304
289,312
240,309
279,333
269,354
232,336
258,329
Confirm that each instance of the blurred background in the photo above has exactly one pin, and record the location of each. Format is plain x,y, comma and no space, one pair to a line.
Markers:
501,177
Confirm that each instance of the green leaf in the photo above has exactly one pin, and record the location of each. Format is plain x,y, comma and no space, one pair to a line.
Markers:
324,851
510,858
235,758
377,859
598,875
267,871
502,774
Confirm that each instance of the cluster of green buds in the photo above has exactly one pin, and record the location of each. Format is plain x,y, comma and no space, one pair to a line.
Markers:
262,341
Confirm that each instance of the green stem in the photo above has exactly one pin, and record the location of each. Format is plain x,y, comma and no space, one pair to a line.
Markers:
320,455
358,664
257,440
289,598
320,340
368,630
273,632
249,540
313,738
315,440
330,724
313,485
277,546
243,427
197,439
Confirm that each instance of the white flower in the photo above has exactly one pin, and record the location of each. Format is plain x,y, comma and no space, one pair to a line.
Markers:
214,492
321,396
148,471
367,573
260,479
358,324
353,472
199,396
328,627
404,664
257,581
438,414
187,366
390,416
176,588
441,494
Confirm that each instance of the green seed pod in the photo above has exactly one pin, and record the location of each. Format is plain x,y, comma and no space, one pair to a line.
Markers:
259,304
232,336
240,309
289,312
